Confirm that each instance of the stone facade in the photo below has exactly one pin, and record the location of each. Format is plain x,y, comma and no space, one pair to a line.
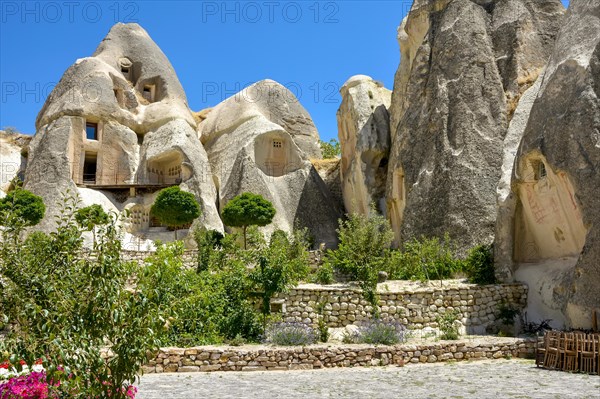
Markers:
413,306
263,358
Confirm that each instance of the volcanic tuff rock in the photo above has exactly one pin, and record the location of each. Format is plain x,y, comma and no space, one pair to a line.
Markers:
260,140
129,94
464,66
364,134
552,230
13,161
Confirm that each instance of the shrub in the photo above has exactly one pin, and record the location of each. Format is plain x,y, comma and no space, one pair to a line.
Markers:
322,324
507,313
10,130
280,266
378,332
207,241
234,289
68,305
248,209
21,208
447,324
238,340
290,334
175,208
323,330
330,149
324,274
424,259
35,385
479,265
362,251
205,308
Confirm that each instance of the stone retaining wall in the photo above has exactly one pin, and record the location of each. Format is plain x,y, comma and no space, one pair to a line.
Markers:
262,358
414,306
190,257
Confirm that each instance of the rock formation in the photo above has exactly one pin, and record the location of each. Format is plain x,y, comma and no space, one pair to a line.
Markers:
549,233
364,134
13,158
261,140
119,122
464,66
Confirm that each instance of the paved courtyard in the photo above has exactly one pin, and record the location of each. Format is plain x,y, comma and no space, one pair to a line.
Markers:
497,379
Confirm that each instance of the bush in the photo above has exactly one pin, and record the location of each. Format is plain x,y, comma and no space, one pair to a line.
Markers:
507,313
21,208
280,265
322,324
330,149
424,259
447,324
378,332
205,308
290,334
63,305
324,274
207,241
10,130
479,265
363,251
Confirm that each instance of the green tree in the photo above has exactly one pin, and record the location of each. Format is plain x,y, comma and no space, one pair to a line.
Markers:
331,149
175,208
363,251
248,209
90,217
64,306
21,208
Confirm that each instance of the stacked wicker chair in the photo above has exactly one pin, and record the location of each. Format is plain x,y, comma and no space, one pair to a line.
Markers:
552,344
570,352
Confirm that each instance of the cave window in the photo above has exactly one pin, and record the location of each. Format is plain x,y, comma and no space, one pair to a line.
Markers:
148,93
140,139
277,144
125,71
542,170
539,170
91,131
89,168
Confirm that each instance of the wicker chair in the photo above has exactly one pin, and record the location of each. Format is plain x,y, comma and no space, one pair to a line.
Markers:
568,351
588,360
551,356
540,350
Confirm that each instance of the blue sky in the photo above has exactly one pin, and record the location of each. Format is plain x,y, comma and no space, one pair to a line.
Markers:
216,47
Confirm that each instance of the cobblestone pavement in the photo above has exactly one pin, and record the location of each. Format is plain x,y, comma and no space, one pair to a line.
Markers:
497,379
